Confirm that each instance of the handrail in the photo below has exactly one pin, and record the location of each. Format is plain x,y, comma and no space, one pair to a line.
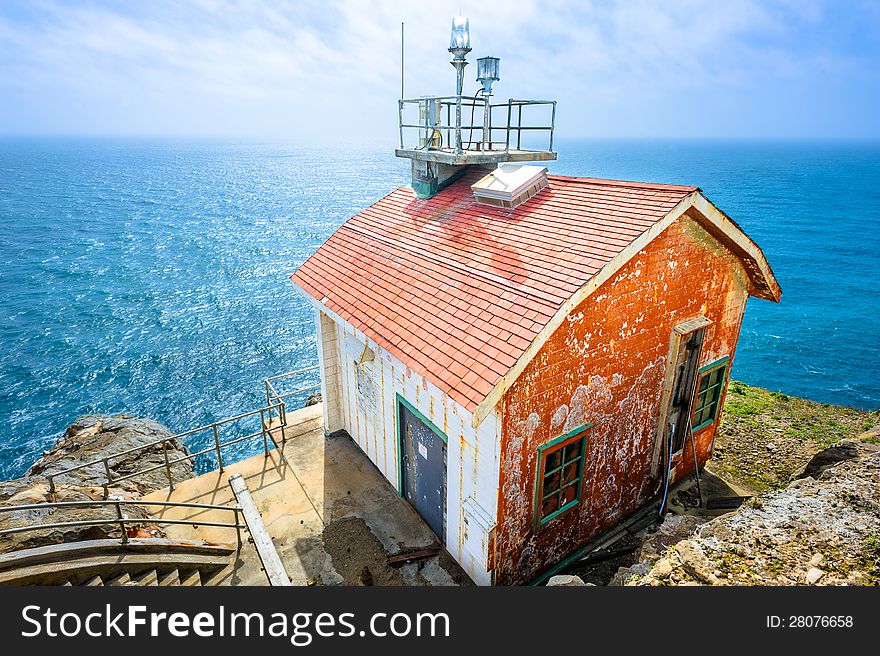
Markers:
272,394
120,518
272,409
436,131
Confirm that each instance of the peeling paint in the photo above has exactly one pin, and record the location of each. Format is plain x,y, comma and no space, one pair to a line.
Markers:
606,366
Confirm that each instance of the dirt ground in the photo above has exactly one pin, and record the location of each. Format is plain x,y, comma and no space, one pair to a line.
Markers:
360,559
358,555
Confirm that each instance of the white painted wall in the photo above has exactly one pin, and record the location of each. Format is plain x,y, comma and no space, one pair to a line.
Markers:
369,416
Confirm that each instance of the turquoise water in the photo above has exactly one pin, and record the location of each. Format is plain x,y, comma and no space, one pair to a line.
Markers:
150,276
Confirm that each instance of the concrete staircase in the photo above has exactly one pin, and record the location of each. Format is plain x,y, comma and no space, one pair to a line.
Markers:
139,562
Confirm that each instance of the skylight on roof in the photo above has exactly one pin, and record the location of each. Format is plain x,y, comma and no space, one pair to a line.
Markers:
510,185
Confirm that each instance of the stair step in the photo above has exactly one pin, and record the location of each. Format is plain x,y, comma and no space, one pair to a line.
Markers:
94,581
171,577
148,578
120,579
191,578
215,578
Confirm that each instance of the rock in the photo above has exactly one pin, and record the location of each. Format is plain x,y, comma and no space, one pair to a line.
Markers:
366,577
313,399
90,438
694,561
839,452
828,523
662,569
673,529
565,580
93,437
814,574
33,492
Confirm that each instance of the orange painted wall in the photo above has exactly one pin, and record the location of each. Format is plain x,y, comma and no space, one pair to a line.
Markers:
606,365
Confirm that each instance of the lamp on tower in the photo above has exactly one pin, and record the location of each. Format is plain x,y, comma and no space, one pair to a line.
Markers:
460,46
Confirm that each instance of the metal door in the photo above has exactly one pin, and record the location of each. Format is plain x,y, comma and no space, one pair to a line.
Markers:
423,467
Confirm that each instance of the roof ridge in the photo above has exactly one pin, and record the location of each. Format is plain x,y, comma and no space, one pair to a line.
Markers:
623,183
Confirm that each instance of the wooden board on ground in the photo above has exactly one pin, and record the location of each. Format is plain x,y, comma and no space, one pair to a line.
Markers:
269,557
413,554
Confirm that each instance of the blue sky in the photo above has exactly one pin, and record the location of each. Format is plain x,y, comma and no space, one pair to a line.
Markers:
330,70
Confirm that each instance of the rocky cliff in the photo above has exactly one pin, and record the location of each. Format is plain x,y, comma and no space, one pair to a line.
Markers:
822,529
90,438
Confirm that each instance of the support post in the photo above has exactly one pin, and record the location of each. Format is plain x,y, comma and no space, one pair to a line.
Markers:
121,519
167,466
509,119
519,127
486,132
282,415
265,437
459,62
109,478
217,447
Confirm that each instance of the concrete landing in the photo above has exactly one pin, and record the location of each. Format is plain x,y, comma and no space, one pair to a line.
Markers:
329,511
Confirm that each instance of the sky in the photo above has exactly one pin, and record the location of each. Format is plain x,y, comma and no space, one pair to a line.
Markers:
329,70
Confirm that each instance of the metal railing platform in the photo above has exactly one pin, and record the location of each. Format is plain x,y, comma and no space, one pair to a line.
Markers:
440,133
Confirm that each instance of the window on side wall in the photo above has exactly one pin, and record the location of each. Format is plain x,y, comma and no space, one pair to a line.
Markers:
560,473
709,387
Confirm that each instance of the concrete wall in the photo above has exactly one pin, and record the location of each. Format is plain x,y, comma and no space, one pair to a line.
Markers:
366,395
328,361
606,365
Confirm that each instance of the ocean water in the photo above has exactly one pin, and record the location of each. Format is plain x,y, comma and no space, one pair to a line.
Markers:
151,276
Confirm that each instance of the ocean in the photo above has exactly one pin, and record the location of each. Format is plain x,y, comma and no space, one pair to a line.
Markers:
150,276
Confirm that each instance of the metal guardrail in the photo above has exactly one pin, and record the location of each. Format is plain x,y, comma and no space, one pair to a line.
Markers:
120,518
273,410
272,394
437,135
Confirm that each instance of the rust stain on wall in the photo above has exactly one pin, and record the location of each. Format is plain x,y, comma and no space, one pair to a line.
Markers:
605,366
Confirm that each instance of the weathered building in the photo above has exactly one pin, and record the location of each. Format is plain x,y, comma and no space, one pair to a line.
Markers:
528,358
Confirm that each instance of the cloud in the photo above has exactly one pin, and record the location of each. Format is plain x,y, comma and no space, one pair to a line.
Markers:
331,69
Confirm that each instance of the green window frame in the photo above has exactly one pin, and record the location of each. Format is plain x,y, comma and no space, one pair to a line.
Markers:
710,385
560,474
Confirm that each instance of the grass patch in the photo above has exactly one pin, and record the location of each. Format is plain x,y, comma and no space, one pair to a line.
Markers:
766,436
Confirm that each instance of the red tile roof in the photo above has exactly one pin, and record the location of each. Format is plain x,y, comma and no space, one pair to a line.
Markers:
457,290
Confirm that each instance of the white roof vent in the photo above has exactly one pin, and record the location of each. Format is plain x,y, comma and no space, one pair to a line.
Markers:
510,185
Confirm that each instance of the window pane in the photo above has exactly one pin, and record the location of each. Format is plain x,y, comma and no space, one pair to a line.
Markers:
553,460
704,382
570,472
550,504
551,483
573,450
568,494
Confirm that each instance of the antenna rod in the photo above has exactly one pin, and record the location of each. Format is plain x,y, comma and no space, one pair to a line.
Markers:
401,60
